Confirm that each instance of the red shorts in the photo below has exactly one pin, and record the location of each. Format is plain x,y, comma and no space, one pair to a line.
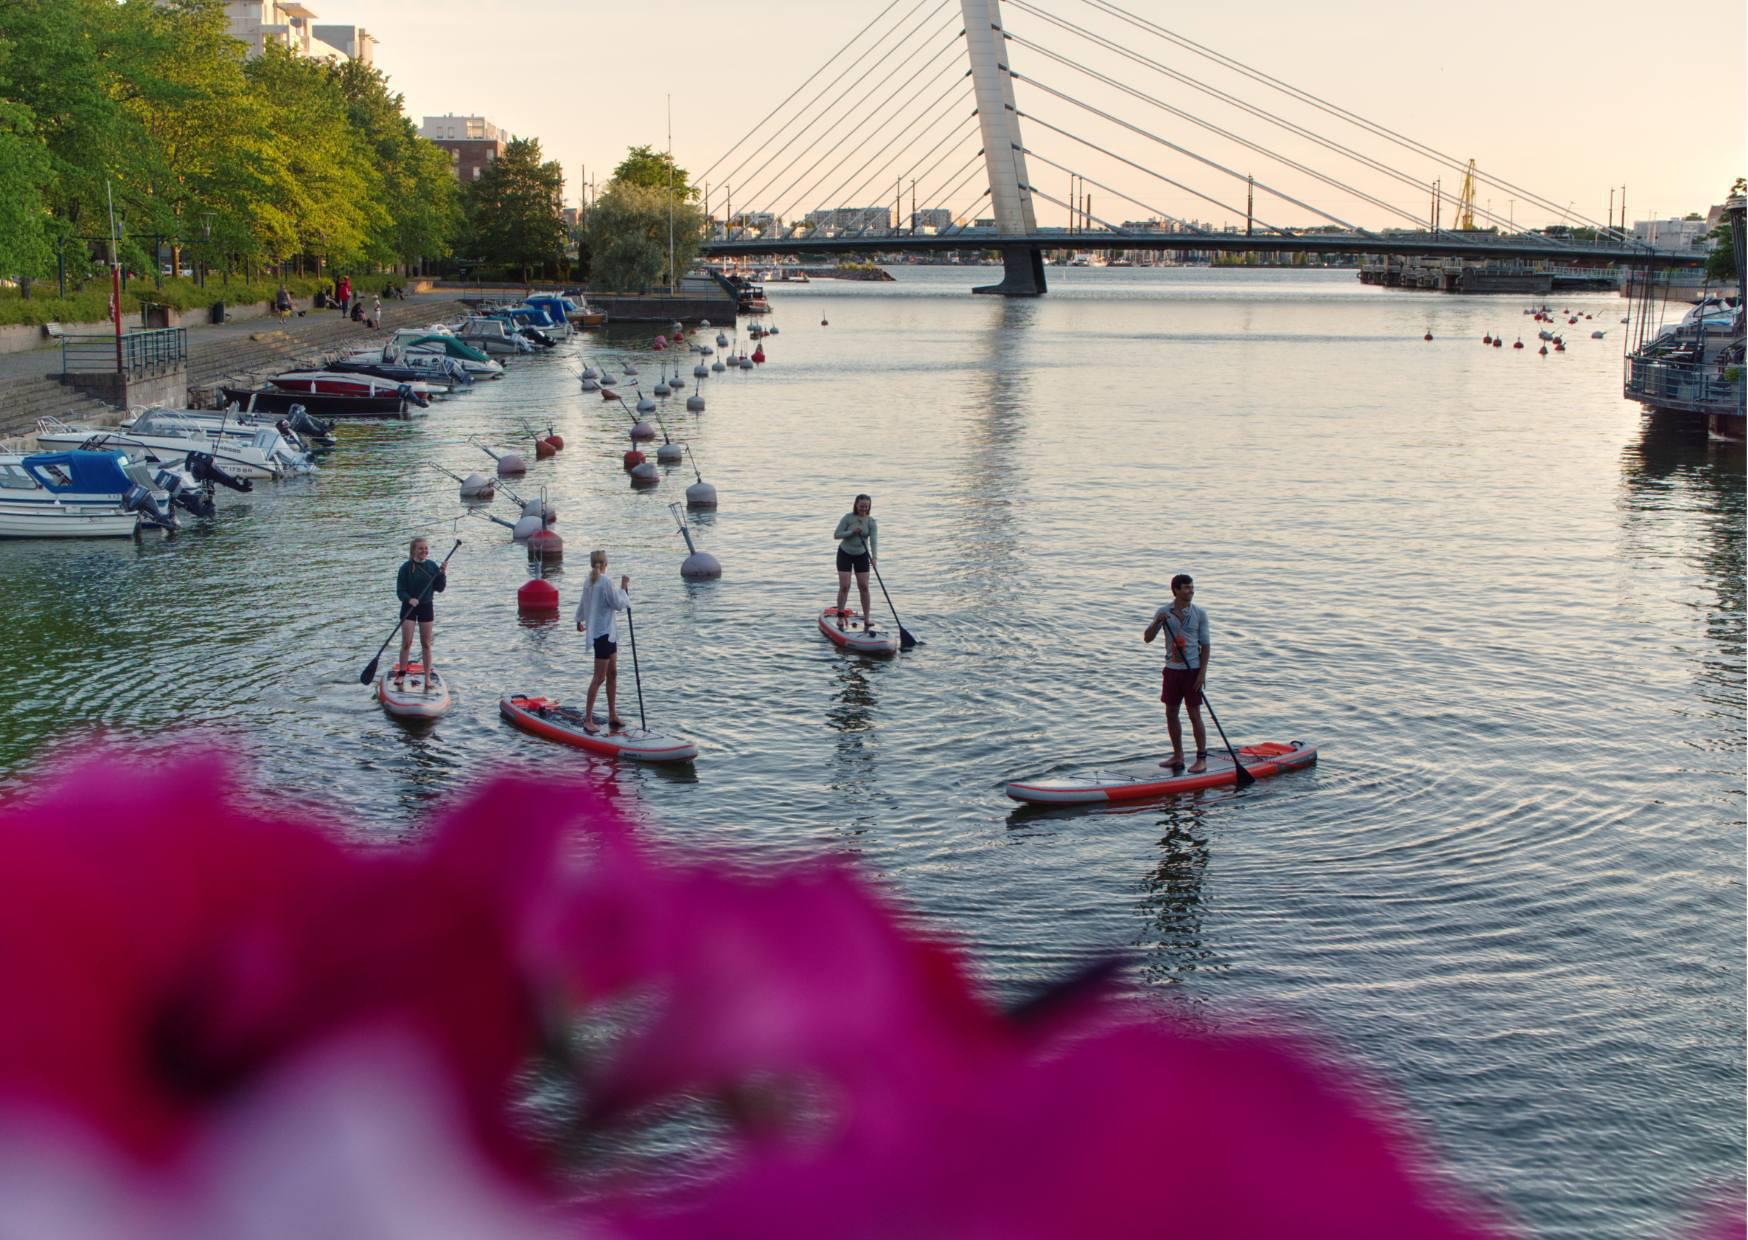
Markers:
1180,688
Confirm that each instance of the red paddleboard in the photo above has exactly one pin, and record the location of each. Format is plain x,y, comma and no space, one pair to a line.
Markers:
855,636
564,724
1146,783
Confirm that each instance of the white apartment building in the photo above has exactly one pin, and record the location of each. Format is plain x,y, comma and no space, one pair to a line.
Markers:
1671,234
292,25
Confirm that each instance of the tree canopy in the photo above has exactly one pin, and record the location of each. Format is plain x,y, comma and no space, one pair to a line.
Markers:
242,162
627,234
650,169
513,210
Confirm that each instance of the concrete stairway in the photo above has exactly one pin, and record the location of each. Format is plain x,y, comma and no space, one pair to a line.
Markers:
25,399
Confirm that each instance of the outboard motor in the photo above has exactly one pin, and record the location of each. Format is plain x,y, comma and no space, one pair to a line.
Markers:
456,372
139,500
197,500
313,429
204,469
418,398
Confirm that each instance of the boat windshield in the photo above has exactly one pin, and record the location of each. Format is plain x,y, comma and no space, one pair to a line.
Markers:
13,478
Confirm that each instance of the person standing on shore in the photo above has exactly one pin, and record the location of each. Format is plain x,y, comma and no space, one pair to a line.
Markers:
858,536
343,294
1186,667
414,586
598,621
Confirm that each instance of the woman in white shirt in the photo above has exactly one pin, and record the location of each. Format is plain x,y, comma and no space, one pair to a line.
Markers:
598,621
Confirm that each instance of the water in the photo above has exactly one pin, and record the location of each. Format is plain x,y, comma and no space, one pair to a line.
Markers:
1508,609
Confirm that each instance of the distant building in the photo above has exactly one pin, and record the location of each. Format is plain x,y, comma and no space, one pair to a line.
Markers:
354,42
931,219
1671,234
473,142
851,220
291,25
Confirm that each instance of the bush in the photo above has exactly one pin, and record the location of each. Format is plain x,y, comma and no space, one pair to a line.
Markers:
90,303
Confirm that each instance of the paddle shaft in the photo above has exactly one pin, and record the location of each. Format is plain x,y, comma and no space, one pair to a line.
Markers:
636,676
369,672
1242,777
904,637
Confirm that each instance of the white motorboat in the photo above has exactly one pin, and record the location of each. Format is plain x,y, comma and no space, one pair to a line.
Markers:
493,335
167,436
79,495
353,383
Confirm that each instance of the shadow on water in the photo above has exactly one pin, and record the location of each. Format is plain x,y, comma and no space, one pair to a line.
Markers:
1675,466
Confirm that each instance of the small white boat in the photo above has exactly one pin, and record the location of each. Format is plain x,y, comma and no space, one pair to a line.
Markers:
494,336
167,436
79,495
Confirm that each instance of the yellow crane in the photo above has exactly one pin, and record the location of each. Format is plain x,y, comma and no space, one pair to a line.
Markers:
1466,200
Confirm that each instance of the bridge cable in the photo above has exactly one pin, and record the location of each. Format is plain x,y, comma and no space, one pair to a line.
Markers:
850,196
1151,210
755,129
1333,109
942,198
927,204
877,112
1227,134
1202,159
1037,120
820,139
1114,229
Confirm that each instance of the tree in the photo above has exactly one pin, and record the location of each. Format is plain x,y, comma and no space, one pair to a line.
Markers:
1722,265
417,181
651,169
24,179
627,235
513,209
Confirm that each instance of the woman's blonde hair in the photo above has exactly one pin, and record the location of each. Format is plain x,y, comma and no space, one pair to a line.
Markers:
597,560
416,541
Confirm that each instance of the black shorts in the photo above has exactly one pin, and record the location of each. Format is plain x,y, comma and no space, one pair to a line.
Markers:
1180,686
605,647
424,611
846,561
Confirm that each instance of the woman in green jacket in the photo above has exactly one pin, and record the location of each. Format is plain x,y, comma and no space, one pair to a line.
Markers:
858,547
414,585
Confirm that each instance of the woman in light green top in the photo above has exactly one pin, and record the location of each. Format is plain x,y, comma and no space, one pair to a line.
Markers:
858,546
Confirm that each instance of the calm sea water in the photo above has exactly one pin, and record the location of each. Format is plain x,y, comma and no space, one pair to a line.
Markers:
1508,608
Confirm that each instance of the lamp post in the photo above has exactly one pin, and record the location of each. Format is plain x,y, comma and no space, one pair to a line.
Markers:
206,231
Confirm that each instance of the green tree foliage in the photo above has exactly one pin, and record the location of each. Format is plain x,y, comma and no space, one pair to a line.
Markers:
151,102
627,236
1722,265
651,169
513,210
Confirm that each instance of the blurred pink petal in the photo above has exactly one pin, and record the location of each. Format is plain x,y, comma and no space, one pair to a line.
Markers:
360,1142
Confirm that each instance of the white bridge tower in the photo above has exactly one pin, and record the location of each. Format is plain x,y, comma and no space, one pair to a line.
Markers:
1004,156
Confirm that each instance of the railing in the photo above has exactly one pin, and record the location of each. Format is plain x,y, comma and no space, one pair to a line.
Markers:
1691,387
141,353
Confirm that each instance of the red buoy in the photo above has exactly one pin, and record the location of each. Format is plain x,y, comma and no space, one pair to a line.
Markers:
1428,336
759,355
608,394
1487,339
556,441
537,597
543,448
633,459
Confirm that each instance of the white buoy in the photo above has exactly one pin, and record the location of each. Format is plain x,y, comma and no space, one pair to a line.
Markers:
717,366
721,341
698,565
590,385
747,363
700,371
630,369
645,404
539,509
645,474
526,526
694,404
660,389
678,328
703,322
607,379
642,430
676,383
477,486
669,454
589,372
700,494
771,330
707,351
512,463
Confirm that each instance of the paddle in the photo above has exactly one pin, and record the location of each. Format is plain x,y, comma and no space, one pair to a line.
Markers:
905,640
631,629
1243,777
369,672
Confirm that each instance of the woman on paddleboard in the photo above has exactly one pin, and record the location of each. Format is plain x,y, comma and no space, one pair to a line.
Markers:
417,581
1186,667
598,622
858,538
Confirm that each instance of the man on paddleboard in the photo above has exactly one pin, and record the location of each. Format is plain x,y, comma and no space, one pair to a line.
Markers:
1186,667
414,586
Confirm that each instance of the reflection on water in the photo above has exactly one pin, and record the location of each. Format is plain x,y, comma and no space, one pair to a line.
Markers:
1172,899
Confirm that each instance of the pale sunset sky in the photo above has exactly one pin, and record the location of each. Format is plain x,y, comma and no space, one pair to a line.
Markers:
1565,101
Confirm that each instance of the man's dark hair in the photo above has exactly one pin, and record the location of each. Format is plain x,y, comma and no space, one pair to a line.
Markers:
1182,579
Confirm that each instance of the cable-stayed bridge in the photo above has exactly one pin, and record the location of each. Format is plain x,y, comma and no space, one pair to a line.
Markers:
935,102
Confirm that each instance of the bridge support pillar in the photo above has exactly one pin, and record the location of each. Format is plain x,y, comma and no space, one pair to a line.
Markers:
1022,274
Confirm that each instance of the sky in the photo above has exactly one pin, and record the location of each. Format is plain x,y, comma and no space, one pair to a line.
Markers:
1565,101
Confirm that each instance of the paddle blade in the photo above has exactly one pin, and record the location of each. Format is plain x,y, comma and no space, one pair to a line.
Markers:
905,640
369,672
1245,778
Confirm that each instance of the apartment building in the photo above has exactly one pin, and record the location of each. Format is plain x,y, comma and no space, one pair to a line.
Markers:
473,142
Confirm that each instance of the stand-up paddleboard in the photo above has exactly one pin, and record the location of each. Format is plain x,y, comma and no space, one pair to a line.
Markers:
1145,783
415,697
564,724
855,635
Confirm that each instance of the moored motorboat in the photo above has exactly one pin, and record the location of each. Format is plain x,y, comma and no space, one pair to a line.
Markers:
346,383
400,405
167,436
79,495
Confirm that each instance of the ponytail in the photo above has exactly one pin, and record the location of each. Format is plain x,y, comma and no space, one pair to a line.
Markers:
596,559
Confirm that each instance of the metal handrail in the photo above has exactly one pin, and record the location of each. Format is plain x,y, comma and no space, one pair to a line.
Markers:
140,352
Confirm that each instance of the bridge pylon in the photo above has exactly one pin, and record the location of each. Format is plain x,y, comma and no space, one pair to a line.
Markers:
1004,156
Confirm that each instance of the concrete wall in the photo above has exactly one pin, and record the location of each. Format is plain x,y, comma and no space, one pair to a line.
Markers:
23,337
